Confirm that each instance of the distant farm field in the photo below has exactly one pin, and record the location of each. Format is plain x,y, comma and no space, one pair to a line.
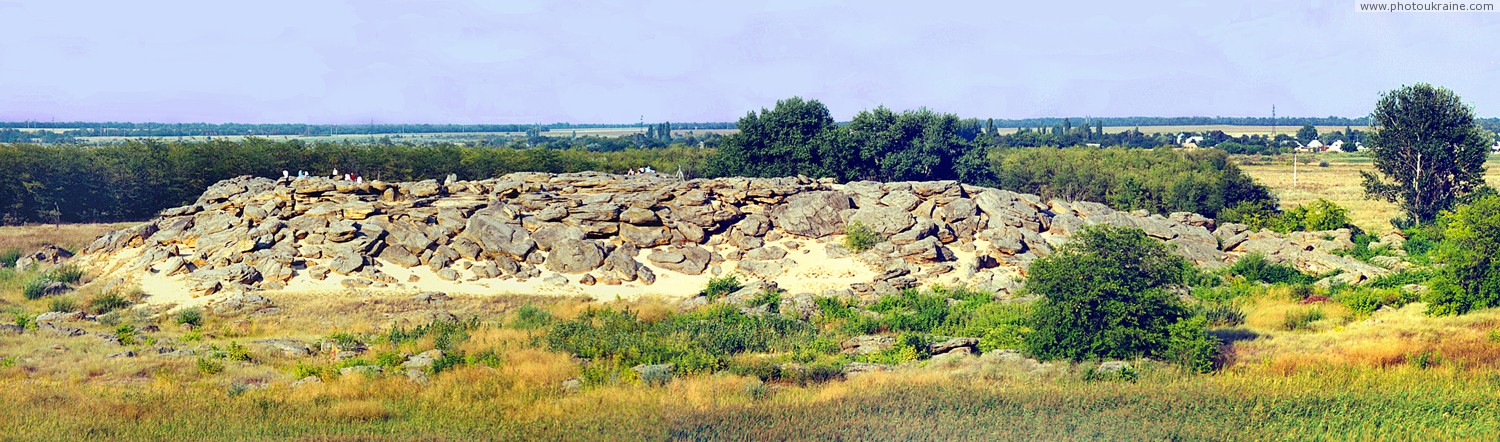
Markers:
1340,182
1228,129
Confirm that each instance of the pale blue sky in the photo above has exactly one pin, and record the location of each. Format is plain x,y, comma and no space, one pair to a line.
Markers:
310,61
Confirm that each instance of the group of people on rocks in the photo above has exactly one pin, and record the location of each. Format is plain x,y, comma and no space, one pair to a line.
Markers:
640,170
348,176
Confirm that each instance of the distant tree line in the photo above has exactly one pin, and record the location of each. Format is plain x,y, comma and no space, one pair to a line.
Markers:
111,129
1157,180
800,137
135,179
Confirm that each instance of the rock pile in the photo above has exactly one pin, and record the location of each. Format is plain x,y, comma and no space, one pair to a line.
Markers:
247,234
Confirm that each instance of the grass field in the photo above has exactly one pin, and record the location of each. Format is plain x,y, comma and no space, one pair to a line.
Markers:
1340,182
1348,378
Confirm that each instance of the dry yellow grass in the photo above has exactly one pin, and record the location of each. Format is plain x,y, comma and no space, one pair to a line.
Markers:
68,236
1340,183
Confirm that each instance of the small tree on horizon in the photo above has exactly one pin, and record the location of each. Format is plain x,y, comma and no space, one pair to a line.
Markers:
1428,148
1307,133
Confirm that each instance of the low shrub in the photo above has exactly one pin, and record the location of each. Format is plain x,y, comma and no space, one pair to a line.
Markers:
1255,267
909,347
344,341
108,302
36,287
22,319
1301,319
304,370
1402,278
489,358
531,317
1361,249
859,237
1425,359
125,333
1315,216
698,341
1189,346
1222,315
209,366
769,298
446,333
67,274
191,316
237,352
721,286
911,310
449,361
9,257
389,359
62,305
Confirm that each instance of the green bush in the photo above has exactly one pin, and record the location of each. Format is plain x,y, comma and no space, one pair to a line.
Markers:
1426,359
108,302
1190,346
125,333
1402,278
721,286
389,359
911,310
530,317
22,319
62,305
488,358
1361,249
909,347
9,257
1158,180
209,366
1316,216
1222,315
67,273
449,361
1470,276
304,370
698,341
1361,302
446,333
859,237
769,298
36,287
1254,267
192,316
1301,319
237,352
1320,215
1106,295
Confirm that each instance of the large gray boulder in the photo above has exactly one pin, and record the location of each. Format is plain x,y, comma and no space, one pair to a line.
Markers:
812,214
575,256
691,260
45,256
496,237
885,221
